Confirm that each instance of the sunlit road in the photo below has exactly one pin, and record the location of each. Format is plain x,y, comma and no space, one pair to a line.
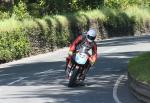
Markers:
41,79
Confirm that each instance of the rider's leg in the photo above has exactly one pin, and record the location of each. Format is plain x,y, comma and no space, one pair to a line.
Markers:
68,62
68,65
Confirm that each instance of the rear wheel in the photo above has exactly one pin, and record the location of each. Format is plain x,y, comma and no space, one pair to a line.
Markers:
74,73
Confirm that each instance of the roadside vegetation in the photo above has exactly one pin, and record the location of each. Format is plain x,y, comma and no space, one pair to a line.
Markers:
29,27
139,68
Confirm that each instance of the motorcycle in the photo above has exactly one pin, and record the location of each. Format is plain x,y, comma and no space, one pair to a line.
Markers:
79,67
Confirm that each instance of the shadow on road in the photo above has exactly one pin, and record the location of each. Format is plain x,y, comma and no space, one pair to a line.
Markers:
49,73
100,79
124,41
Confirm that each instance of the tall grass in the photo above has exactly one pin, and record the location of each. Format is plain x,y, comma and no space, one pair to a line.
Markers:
9,25
140,15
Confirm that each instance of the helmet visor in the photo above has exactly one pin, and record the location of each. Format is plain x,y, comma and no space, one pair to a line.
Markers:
91,38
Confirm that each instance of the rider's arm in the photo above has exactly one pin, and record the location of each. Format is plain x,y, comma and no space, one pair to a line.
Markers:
94,53
75,43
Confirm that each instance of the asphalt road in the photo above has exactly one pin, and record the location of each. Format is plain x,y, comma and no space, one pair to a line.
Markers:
41,79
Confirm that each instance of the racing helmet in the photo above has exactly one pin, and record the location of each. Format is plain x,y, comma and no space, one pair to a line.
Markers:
91,35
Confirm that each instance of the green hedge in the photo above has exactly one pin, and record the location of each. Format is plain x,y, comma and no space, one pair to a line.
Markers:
33,36
38,8
139,68
13,45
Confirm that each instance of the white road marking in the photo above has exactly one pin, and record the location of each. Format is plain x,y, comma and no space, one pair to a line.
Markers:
105,51
4,75
43,72
115,89
1,70
110,50
16,81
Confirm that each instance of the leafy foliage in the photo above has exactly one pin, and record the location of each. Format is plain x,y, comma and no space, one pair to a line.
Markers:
22,34
20,11
13,45
4,15
39,8
123,4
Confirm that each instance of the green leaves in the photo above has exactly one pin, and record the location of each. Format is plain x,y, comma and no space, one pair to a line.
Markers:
20,11
4,15
123,4
19,38
13,45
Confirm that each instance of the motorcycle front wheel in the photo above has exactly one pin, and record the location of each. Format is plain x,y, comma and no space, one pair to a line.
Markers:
74,73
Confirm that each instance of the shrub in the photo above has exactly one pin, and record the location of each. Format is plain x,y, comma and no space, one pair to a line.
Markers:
123,4
20,11
13,45
4,15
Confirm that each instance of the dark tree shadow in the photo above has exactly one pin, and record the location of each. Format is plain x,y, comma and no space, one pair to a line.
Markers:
124,41
100,79
60,34
38,39
119,25
76,28
49,35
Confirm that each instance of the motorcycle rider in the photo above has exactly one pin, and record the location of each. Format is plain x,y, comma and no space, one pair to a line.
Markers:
86,40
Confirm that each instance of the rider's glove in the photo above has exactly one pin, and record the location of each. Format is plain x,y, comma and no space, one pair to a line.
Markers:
91,61
70,53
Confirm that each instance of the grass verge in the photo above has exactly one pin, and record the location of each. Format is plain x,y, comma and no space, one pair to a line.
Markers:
139,67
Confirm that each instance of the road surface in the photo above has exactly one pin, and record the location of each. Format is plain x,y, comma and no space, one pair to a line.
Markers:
41,79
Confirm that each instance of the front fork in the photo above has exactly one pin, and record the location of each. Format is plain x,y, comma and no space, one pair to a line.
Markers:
72,66
84,72
68,69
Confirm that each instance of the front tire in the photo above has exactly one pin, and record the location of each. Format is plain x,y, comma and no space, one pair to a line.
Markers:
73,77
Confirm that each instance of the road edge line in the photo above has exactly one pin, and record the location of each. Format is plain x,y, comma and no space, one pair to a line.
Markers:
116,88
11,83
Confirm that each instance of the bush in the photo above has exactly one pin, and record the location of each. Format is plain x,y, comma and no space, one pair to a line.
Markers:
123,4
4,15
20,11
13,45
